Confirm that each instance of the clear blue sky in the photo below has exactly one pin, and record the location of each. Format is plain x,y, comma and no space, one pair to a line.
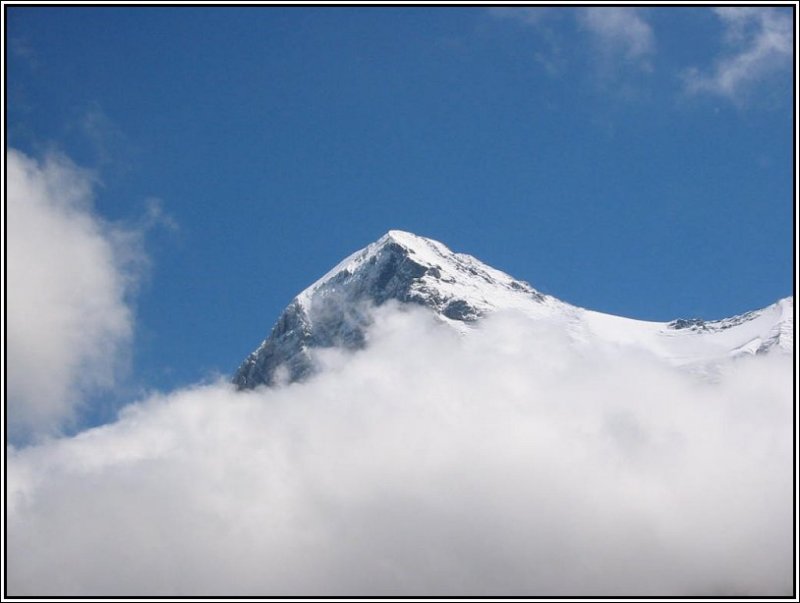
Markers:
637,163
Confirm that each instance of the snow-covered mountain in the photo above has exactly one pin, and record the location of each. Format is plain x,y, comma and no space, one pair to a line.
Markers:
460,290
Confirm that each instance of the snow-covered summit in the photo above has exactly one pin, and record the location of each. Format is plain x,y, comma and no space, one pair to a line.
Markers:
410,268
459,289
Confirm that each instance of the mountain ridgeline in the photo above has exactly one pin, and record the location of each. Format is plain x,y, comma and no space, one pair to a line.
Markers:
460,290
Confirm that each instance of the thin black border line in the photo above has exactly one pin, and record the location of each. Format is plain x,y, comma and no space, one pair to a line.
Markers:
794,270
403,597
794,312
789,4
7,6
5,306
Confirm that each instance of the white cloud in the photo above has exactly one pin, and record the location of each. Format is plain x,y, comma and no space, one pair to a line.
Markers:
501,463
619,32
68,275
620,37
760,43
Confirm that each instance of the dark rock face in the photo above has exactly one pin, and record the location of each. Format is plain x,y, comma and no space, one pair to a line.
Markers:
696,324
459,309
286,345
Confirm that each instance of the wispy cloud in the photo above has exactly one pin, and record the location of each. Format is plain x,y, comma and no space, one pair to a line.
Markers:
106,138
759,44
619,33
619,37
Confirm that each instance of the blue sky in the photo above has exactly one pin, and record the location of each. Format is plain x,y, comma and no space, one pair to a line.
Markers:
637,162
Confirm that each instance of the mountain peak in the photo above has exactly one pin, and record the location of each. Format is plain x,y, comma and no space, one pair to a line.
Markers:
460,290
410,268
411,242
399,266
401,236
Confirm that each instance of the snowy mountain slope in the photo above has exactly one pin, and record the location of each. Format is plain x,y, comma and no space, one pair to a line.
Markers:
460,289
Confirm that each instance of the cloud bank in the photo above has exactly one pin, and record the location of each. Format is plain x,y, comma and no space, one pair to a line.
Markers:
68,278
505,462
